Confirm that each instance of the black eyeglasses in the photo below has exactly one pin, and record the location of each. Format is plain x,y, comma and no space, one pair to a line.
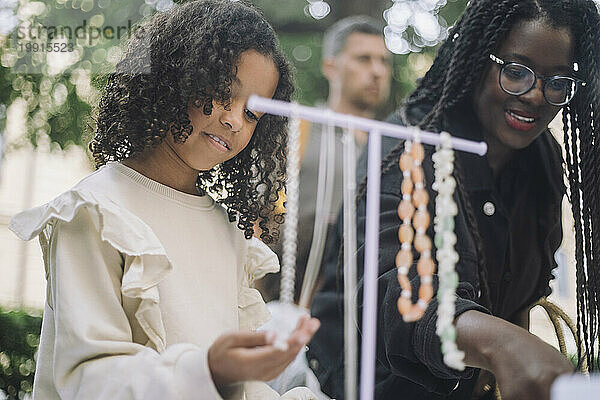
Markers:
517,79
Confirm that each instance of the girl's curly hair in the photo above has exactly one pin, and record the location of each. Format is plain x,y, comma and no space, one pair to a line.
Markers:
189,54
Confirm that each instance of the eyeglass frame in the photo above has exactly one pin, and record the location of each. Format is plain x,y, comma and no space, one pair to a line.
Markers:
503,64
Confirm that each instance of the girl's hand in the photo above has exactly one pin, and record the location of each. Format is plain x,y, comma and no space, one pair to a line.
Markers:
250,356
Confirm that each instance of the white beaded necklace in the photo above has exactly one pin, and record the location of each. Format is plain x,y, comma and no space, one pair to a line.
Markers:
445,239
285,321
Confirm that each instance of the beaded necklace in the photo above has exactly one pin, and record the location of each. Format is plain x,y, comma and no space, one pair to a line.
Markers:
447,257
413,212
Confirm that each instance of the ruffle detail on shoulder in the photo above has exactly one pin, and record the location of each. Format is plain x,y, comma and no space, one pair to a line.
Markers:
260,260
122,230
261,391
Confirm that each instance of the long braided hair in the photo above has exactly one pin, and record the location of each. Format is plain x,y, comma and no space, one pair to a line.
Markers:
452,80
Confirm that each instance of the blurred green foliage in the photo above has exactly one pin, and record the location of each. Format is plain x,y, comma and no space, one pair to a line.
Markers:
311,86
60,100
19,339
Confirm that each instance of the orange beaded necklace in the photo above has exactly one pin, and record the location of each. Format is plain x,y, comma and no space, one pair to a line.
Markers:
412,211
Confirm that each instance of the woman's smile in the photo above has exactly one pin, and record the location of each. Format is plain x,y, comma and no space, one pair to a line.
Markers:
520,120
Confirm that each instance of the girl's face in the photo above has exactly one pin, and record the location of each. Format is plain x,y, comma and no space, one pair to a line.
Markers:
221,135
515,121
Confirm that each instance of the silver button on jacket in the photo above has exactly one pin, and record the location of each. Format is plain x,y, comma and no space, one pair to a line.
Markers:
489,208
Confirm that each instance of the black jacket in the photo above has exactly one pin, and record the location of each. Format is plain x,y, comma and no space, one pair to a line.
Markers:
520,229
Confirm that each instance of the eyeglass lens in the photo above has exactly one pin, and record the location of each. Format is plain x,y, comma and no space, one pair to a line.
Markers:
517,79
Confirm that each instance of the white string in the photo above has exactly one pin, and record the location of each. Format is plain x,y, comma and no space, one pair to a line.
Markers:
323,206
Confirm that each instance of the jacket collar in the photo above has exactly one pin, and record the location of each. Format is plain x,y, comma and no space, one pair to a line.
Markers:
542,158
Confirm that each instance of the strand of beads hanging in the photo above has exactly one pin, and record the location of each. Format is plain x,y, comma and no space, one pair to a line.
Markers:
445,239
412,211
285,320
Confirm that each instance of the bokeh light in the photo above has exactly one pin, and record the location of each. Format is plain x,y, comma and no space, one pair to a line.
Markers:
8,19
414,24
302,53
317,9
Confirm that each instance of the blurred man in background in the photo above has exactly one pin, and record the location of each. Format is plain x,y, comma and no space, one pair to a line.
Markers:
358,67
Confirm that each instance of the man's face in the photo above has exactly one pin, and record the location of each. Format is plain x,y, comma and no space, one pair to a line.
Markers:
362,71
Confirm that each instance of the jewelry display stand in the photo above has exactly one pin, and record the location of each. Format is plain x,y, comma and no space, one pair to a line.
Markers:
375,130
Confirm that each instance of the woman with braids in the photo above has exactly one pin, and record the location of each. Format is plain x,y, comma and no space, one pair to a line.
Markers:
150,260
508,68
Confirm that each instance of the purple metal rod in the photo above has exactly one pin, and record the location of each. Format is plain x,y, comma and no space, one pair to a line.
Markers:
278,107
371,270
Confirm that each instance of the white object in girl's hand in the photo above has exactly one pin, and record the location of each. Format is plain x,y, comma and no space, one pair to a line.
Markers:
285,317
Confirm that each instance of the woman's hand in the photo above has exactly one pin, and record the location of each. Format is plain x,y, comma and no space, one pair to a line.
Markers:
250,356
524,366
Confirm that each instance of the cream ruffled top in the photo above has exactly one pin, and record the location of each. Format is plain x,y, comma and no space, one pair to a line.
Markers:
141,279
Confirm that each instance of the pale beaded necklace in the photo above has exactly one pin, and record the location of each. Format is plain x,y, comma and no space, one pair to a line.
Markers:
447,257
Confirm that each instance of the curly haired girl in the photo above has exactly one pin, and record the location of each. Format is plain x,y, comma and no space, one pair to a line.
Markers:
146,270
